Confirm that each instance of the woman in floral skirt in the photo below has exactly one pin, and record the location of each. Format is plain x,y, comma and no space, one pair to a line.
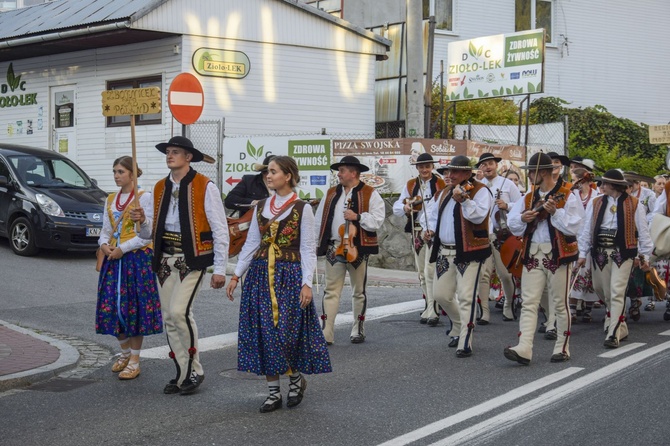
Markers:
128,304
279,330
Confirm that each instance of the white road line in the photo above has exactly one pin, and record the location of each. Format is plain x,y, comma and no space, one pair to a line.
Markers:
230,339
621,350
507,420
480,409
665,333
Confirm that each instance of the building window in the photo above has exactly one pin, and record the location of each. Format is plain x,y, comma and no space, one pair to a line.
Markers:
534,14
125,84
443,10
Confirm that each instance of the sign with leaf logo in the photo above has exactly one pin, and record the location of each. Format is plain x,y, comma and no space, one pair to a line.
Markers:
493,66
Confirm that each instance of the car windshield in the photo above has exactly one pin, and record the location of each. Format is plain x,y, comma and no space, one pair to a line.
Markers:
49,172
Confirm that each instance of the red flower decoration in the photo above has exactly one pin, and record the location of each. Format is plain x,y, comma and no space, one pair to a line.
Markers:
287,230
608,314
471,325
518,334
324,317
191,351
171,355
361,317
567,333
622,318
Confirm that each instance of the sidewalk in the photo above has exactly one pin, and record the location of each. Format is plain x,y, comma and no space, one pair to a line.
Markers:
27,357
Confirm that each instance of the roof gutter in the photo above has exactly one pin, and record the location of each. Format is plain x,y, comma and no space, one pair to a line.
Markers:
31,40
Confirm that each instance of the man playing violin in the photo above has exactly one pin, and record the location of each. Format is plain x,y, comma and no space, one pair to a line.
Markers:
458,223
549,218
505,194
413,203
615,232
359,210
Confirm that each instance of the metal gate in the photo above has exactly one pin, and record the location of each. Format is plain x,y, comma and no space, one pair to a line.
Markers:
207,136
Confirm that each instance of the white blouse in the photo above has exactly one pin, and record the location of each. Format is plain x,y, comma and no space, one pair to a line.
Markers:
146,202
307,239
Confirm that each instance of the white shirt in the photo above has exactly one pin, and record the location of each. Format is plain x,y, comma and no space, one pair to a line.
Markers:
567,219
307,240
370,221
509,193
659,206
585,239
137,242
216,217
425,192
474,210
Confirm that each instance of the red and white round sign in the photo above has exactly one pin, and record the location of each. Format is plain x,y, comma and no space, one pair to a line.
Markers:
186,98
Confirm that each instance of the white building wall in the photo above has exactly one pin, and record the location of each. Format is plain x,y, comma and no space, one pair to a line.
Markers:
615,56
289,90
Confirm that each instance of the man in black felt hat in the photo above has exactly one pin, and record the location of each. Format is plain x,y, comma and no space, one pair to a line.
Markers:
190,233
412,203
549,218
505,194
251,189
458,224
615,232
358,210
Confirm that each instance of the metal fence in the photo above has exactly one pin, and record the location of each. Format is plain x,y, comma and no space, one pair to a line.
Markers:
207,136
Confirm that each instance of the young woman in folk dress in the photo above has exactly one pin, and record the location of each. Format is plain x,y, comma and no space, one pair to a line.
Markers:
128,306
279,330
583,295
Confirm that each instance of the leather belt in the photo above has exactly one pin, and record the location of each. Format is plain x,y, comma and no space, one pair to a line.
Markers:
171,243
605,238
446,250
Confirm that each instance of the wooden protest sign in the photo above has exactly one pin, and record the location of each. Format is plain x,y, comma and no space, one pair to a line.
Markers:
132,102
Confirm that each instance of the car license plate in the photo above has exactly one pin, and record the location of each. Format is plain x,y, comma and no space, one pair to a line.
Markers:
93,232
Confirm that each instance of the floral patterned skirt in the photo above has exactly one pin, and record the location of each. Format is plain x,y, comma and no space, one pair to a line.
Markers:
583,288
296,343
128,300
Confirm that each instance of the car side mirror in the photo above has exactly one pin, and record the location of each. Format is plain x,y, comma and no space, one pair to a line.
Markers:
94,181
3,180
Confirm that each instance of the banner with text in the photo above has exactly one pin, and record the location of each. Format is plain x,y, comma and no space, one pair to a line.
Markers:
492,66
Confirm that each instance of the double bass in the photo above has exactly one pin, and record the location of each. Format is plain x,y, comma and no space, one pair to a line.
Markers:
347,252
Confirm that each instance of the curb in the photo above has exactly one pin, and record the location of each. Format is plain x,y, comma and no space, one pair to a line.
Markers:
69,356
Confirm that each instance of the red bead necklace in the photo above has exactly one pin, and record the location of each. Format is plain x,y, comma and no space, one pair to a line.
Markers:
275,209
121,207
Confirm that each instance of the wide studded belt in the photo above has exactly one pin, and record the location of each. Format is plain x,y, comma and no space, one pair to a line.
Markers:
605,238
171,243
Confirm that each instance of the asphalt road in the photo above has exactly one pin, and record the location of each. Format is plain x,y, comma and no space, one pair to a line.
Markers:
402,386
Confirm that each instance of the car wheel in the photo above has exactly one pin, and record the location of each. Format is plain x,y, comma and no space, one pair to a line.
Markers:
22,237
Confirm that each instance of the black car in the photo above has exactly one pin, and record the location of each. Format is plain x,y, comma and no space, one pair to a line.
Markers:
47,201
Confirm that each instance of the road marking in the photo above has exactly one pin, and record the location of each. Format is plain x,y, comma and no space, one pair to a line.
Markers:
504,421
480,409
621,350
230,339
665,333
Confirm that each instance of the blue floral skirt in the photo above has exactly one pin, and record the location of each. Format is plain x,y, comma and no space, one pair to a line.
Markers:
128,301
296,343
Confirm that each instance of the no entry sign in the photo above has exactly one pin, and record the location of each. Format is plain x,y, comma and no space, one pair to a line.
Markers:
185,98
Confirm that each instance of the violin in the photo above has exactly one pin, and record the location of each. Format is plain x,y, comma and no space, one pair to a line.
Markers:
501,219
578,184
414,202
347,252
538,206
463,189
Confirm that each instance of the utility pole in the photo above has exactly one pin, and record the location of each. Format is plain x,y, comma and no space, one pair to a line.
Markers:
415,88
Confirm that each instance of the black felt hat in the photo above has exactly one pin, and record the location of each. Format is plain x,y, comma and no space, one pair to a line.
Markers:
424,158
350,160
613,176
183,143
562,158
486,157
539,161
459,162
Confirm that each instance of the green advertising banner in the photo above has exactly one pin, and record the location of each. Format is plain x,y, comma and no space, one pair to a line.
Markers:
492,66
310,154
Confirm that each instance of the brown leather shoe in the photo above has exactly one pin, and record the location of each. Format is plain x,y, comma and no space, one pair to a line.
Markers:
120,363
131,371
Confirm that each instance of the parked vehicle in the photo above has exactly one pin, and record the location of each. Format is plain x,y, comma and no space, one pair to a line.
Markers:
47,201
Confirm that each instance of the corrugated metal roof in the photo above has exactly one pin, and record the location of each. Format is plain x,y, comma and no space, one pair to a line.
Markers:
73,14
67,14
